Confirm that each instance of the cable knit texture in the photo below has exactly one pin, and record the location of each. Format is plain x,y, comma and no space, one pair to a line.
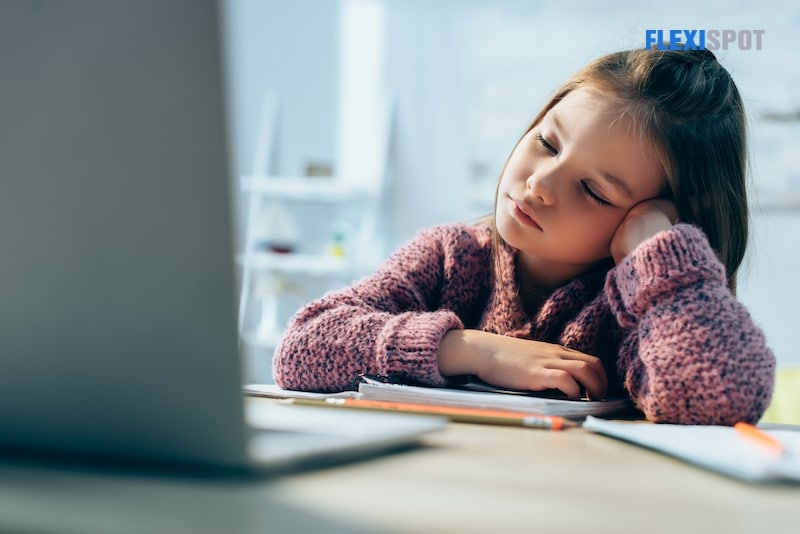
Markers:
669,332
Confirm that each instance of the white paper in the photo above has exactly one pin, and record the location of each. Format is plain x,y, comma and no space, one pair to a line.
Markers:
486,400
275,392
719,448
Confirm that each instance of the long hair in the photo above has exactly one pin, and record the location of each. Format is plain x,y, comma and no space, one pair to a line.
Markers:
685,105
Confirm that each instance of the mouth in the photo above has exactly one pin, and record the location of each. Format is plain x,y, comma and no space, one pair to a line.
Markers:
523,214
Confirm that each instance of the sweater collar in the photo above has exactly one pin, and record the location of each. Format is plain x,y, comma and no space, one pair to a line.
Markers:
505,313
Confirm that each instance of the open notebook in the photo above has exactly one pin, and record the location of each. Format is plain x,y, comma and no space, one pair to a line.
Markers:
718,448
474,395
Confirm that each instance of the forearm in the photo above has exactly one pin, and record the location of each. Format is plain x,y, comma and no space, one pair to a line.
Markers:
461,352
323,348
330,342
390,323
700,370
694,354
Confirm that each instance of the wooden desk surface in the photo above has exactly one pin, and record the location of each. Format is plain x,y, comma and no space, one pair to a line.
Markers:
474,478
468,478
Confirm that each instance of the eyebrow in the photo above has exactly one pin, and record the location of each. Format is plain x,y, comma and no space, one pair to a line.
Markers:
614,181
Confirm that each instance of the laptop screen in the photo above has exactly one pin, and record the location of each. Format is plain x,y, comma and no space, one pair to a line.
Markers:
117,289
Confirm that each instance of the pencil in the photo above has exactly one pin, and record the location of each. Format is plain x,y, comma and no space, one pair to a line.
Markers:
465,415
758,436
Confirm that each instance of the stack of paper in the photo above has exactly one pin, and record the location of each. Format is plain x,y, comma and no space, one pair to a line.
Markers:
374,390
497,401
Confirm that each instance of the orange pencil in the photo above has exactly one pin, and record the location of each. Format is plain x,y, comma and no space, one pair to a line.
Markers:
756,435
467,415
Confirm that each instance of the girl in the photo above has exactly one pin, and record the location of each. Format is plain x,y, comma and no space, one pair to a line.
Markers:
609,265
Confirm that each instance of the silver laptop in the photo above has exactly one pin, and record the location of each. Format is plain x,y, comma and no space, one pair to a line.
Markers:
117,281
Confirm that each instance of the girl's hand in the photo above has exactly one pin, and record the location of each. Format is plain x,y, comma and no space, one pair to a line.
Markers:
644,220
521,364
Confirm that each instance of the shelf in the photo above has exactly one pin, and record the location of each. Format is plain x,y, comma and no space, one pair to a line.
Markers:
320,189
311,264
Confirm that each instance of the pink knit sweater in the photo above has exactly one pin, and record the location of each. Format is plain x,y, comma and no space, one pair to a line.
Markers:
669,332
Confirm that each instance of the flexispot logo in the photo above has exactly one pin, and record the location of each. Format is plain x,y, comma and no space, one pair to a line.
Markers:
703,39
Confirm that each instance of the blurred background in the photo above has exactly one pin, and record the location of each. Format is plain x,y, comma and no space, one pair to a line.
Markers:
355,123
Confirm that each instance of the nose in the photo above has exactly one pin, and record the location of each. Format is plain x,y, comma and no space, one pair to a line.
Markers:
541,188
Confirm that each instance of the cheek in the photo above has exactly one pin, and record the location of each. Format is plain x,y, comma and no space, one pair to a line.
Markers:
599,230
515,170
506,178
502,217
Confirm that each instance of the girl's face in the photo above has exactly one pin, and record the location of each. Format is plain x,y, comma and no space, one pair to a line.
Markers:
568,185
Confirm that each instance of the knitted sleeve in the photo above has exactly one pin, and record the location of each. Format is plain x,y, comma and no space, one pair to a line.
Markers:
693,355
389,323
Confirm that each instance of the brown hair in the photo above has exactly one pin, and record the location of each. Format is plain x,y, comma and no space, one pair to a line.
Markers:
688,107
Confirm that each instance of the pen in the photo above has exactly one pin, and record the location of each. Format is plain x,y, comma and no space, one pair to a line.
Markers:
758,436
466,415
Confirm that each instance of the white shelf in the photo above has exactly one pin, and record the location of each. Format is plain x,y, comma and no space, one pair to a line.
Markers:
354,196
321,189
310,264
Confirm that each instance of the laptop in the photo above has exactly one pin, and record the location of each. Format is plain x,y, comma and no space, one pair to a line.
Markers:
118,330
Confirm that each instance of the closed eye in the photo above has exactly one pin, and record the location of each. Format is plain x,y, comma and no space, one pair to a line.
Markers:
592,195
547,146
586,189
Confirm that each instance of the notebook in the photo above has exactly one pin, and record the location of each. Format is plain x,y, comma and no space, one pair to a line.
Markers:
474,394
717,448
118,328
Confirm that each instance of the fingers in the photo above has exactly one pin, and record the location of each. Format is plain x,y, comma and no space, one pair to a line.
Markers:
591,376
666,207
557,379
635,229
586,369
536,365
656,205
570,377
642,221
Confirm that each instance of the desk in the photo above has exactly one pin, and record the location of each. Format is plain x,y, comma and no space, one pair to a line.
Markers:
475,478
468,478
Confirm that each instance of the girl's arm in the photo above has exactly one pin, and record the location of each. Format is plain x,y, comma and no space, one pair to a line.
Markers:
693,355
389,323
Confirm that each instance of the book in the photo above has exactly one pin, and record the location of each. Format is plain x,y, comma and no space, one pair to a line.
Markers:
473,395
722,449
